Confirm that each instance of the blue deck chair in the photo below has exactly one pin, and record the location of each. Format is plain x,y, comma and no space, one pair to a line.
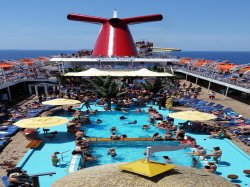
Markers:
200,103
227,110
242,137
5,181
213,108
192,102
246,141
204,106
12,129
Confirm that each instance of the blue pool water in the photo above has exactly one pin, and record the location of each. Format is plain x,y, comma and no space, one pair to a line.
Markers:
233,161
131,151
110,119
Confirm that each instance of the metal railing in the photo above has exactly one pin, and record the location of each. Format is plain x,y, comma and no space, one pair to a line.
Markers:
216,76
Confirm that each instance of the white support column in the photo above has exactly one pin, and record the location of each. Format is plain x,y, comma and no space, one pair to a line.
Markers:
4,76
46,90
36,90
59,68
209,84
30,90
186,77
196,81
54,89
9,94
225,96
63,67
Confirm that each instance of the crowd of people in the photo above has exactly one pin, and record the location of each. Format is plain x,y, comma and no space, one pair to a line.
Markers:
135,97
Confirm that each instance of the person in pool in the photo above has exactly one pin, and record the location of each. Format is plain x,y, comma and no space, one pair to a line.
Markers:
216,154
114,136
113,129
146,127
112,152
210,167
90,157
98,121
122,117
133,122
55,160
157,136
167,159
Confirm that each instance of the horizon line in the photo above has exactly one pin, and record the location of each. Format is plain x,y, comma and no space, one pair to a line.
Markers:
91,49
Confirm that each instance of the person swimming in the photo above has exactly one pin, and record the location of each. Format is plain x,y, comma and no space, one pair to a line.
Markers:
146,127
133,122
113,129
112,152
98,121
123,117
167,159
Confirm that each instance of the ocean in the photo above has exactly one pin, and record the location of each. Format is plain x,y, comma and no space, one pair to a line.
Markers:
234,57
18,54
231,56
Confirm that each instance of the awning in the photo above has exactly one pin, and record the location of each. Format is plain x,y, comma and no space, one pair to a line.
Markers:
118,73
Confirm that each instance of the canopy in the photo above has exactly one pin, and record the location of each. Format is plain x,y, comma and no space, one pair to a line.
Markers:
147,168
192,116
6,65
61,102
42,58
93,72
41,122
201,62
244,69
185,60
225,66
27,61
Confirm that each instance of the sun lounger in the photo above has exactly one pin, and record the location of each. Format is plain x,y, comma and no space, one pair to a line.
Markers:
242,137
210,109
204,106
246,141
199,104
34,144
5,181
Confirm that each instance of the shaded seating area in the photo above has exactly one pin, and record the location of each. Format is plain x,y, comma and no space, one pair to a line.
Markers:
5,134
227,119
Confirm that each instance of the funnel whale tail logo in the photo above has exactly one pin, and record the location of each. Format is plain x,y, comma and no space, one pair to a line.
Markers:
114,38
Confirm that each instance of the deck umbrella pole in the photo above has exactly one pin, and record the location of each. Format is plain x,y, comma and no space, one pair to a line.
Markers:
186,77
148,154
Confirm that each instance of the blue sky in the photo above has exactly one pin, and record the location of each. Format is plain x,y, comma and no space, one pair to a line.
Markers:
203,25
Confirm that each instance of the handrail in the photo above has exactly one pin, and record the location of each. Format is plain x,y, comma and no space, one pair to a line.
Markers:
42,174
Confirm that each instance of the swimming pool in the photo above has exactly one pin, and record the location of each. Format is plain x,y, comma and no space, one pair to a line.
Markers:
233,161
134,150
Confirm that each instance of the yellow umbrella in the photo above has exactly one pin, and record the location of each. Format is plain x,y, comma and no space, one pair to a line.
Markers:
147,168
61,101
41,122
192,116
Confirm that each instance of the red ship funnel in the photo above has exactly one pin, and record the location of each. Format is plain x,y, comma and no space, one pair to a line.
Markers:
115,38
